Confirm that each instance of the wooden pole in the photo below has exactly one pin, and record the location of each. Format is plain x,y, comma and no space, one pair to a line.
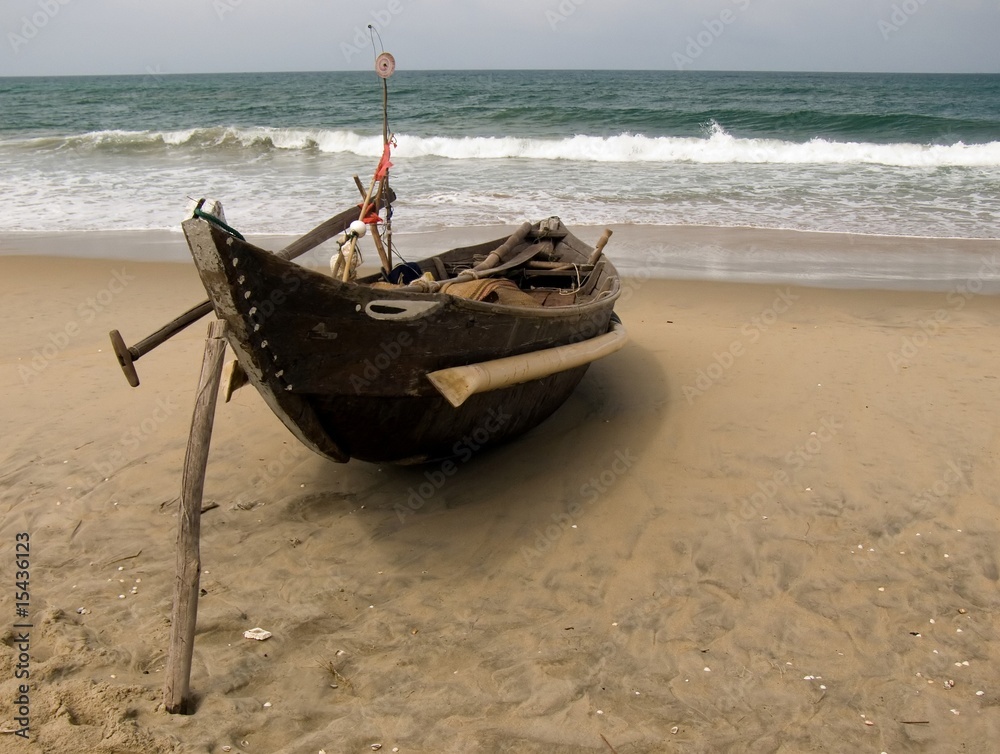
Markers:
383,257
365,206
177,689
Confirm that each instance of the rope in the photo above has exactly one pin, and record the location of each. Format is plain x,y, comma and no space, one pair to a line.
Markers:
579,284
199,212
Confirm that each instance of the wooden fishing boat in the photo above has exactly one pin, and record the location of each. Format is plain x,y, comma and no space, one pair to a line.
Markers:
473,346
423,361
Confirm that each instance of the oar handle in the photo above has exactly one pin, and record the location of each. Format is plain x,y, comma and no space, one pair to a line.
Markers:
599,247
126,354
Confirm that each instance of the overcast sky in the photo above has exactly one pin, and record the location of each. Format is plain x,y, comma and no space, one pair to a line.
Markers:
54,37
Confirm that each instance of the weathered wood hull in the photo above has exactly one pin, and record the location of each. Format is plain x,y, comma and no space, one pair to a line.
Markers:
344,365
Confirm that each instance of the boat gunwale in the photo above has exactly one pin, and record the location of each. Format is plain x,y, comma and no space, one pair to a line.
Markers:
596,301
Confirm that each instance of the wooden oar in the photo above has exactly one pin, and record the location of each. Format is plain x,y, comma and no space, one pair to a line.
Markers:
500,253
599,248
127,355
489,266
519,260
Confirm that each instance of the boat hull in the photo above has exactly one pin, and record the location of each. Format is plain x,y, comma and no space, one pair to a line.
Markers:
344,365
428,428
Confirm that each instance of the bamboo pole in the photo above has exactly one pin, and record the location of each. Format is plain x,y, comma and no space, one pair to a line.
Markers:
458,383
177,689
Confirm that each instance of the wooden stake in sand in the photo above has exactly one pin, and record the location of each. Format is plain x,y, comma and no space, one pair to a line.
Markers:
177,690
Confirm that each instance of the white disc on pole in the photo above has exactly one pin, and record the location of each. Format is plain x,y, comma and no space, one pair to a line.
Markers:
385,64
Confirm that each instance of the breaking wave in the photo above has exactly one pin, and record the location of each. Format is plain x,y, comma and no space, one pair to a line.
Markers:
716,146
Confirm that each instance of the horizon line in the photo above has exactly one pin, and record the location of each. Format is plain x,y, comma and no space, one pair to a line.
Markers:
508,70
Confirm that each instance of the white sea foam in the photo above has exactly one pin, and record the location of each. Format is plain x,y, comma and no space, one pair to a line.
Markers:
716,147
276,180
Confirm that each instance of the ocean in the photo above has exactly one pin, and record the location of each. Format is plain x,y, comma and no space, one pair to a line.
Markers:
894,154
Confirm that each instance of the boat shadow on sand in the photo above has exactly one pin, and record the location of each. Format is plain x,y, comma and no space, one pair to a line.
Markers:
555,472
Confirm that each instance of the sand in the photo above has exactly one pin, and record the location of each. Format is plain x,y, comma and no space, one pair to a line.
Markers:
770,524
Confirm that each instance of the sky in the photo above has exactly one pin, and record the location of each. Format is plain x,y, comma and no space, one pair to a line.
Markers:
70,37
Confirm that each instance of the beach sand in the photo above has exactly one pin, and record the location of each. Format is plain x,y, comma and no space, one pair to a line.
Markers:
769,524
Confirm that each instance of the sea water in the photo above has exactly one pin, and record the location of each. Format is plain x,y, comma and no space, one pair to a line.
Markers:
894,154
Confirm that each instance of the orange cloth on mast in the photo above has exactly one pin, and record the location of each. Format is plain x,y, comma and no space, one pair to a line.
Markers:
383,164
